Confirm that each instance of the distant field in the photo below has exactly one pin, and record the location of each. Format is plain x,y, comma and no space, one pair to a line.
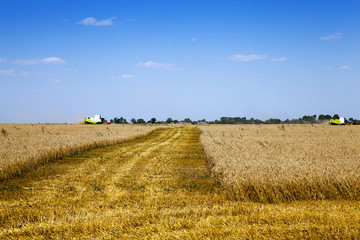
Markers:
280,163
23,146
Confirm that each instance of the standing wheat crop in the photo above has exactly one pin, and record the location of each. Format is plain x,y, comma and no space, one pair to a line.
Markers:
272,163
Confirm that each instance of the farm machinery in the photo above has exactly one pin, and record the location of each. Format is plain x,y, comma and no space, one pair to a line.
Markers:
339,121
95,120
344,121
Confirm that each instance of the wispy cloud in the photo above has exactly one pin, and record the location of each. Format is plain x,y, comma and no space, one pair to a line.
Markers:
24,73
90,21
344,67
49,60
280,59
333,36
2,60
157,65
126,76
53,60
25,61
247,58
56,82
14,73
10,72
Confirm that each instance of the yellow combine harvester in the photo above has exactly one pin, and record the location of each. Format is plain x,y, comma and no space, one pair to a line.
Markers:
344,121
95,120
339,121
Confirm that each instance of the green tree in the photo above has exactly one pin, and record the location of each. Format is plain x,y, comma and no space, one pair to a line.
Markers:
153,120
187,120
169,120
273,121
122,120
324,117
140,120
133,120
226,120
309,119
336,116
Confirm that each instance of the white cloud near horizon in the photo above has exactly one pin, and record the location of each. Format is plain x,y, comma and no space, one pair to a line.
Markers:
333,36
90,21
247,58
280,59
157,65
344,67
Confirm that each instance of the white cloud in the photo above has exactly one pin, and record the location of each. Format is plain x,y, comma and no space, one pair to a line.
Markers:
157,65
247,58
2,60
14,73
10,72
345,67
280,59
26,61
90,21
194,39
333,36
49,60
127,76
53,60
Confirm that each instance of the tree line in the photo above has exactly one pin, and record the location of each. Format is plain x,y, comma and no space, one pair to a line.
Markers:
307,119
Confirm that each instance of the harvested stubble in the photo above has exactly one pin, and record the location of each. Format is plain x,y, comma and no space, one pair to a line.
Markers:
154,187
282,163
23,146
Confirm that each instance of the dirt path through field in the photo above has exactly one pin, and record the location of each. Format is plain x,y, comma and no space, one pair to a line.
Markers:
154,187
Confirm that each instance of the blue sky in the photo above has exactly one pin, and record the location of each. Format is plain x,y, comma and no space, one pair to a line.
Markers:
63,60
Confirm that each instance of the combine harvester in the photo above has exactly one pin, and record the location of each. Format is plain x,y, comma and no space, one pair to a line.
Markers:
344,121
96,120
339,121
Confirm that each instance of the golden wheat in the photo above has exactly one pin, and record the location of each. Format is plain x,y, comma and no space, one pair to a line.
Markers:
154,187
272,163
23,146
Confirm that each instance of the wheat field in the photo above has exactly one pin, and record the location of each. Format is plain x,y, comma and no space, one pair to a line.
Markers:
282,163
23,146
157,186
